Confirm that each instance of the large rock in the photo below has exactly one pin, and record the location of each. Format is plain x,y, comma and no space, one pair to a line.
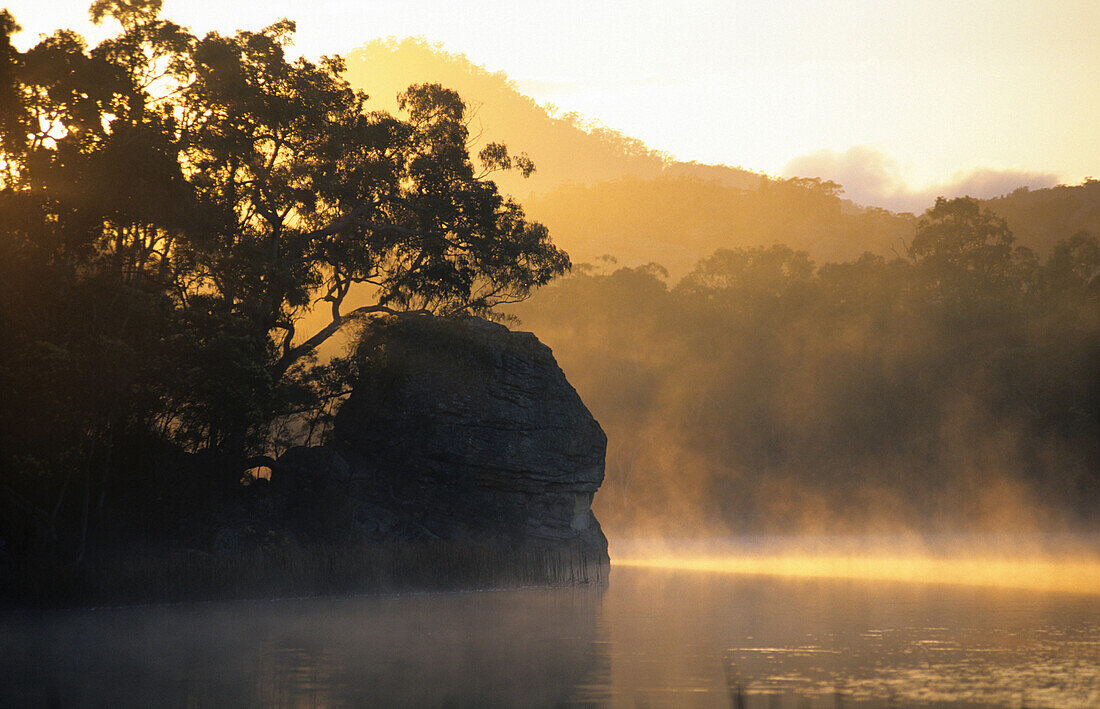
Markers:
461,429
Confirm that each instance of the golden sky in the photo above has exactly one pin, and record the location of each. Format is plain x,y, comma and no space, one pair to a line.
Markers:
907,93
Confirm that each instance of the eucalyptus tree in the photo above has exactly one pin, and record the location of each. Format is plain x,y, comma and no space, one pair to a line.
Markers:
176,210
311,200
967,258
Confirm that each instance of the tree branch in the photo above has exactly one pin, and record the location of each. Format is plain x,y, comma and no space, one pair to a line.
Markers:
295,353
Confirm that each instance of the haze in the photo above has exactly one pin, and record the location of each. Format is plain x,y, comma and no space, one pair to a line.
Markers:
896,101
852,417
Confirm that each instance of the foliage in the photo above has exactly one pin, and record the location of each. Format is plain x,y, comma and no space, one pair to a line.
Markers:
185,220
966,253
958,387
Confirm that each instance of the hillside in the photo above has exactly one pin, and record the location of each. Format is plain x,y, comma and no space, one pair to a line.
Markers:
601,192
1040,218
675,221
565,149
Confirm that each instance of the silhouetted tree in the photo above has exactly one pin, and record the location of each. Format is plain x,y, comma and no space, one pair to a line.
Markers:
965,253
172,211
1075,262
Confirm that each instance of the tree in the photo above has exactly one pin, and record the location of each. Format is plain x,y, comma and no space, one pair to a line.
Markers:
1074,262
965,254
313,197
174,209
958,234
752,275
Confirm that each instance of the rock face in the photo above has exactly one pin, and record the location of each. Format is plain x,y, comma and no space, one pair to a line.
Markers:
461,429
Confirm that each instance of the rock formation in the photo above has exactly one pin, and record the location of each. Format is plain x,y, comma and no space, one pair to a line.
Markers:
457,429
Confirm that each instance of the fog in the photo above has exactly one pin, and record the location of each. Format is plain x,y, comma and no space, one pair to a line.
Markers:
770,355
824,353
1047,563
653,637
763,393
807,389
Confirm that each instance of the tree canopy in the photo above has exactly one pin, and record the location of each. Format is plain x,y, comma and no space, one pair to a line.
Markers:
956,386
174,211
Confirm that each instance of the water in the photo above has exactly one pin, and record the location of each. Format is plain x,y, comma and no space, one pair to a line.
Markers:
652,637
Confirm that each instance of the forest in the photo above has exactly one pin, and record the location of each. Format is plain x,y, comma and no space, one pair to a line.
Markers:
955,387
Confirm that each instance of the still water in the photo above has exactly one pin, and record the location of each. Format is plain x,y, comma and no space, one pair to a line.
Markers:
652,637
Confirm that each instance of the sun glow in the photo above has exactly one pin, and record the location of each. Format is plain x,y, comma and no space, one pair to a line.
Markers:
938,86
1069,575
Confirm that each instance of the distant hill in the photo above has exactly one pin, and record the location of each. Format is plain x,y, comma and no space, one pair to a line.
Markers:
564,148
677,220
601,192
1041,218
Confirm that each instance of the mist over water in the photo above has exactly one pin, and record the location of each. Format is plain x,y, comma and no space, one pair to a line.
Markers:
766,393
1056,563
652,637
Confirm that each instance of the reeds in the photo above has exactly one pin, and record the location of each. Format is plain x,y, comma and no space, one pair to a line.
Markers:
295,571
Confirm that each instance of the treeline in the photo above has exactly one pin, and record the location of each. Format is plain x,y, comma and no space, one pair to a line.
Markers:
956,386
676,219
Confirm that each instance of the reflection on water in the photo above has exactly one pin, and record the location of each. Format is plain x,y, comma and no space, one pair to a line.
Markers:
652,637
470,649
812,642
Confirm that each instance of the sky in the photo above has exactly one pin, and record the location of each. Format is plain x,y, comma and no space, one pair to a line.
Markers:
891,98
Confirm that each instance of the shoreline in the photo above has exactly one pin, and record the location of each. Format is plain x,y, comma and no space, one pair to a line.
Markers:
268,574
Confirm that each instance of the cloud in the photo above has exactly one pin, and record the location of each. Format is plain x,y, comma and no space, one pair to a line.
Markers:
994,183
864,171
872,177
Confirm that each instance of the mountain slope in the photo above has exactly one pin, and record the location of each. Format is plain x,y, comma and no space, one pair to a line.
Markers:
601,192
675,221
563,147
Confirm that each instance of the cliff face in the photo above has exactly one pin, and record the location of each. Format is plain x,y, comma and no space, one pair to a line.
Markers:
458,429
